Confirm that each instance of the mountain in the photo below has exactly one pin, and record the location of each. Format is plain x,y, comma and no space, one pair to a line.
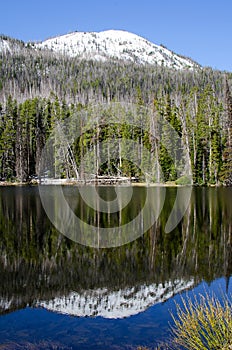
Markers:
115,44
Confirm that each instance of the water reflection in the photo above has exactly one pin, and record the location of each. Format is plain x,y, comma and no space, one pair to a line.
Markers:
95,222
41,267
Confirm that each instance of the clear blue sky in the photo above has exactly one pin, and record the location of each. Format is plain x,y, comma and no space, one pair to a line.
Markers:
200,29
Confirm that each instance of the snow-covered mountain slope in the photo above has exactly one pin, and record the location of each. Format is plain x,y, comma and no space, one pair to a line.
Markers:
115,44
4,45
8,44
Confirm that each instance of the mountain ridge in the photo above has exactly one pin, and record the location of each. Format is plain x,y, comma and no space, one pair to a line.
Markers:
115,44
105,45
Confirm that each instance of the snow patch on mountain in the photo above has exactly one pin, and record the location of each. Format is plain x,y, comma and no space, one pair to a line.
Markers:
115,44
10,45
4,45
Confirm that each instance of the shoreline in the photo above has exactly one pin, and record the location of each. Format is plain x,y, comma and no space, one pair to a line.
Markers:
65,182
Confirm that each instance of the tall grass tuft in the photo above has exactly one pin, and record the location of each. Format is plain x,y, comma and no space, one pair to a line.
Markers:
204,323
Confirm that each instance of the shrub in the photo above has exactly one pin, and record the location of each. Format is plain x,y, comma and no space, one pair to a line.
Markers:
184,180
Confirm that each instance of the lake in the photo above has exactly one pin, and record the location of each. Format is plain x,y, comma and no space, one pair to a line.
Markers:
80,293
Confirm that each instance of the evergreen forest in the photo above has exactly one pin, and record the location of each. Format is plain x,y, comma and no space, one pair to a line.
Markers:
40,89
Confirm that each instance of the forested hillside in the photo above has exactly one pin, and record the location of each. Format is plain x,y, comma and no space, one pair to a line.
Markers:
39,88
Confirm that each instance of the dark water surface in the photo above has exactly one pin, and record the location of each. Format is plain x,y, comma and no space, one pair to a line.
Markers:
58,294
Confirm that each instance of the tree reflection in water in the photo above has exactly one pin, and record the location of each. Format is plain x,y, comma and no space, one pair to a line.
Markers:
40,266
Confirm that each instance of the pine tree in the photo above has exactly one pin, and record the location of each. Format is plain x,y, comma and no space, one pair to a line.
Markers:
226,173
8,139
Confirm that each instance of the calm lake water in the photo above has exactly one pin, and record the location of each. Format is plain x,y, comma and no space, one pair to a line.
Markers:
58,294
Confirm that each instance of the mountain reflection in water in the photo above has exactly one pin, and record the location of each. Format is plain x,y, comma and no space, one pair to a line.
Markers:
41,268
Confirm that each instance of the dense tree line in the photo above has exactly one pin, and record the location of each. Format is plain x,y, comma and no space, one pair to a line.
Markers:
39,88
26,73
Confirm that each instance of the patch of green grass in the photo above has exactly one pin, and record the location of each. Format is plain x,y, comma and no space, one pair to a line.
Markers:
204,324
